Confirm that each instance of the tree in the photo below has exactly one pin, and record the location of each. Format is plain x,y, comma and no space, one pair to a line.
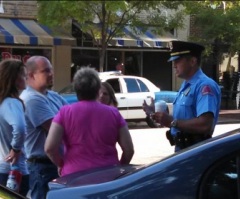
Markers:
217,25
105,19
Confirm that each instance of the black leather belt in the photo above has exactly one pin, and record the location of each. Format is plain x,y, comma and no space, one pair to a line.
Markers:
183,140
42,160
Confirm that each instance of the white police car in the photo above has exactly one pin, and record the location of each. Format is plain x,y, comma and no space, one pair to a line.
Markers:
130,92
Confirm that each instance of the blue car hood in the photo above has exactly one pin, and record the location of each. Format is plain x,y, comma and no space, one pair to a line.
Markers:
93,176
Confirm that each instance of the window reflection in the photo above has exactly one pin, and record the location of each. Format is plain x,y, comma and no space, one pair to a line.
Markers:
222,181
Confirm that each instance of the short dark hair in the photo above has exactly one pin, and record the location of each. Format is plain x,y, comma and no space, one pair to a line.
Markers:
199,58
86,83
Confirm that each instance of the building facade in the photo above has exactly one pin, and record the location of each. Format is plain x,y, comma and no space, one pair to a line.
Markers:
21,37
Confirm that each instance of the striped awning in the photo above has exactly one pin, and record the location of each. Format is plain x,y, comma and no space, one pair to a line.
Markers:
29,32
132,38
142,39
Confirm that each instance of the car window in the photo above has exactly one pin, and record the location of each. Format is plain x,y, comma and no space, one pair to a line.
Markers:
132,85
115,84
143,86
223,180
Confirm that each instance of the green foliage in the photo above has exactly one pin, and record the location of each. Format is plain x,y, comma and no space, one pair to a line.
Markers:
217,22
110,17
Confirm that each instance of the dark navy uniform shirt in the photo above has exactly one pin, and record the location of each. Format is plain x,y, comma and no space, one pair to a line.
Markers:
196,96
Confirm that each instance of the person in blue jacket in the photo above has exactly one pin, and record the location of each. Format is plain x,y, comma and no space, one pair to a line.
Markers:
196,107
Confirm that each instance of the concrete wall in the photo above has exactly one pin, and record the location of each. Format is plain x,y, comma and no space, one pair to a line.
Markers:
61,60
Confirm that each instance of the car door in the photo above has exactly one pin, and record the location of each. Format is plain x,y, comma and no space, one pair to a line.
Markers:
137,92
119,87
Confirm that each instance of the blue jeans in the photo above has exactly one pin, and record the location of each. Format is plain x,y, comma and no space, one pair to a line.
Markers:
39,176
24,187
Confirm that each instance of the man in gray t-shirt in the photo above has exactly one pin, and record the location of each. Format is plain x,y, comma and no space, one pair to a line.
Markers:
41,106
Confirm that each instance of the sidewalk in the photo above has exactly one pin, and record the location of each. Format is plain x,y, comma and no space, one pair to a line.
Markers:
150,144
229,116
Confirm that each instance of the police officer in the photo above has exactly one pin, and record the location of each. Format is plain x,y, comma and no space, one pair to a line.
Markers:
196,107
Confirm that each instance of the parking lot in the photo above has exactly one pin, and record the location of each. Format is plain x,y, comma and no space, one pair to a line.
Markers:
151,144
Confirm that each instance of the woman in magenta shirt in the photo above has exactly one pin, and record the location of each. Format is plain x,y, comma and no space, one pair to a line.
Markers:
88,129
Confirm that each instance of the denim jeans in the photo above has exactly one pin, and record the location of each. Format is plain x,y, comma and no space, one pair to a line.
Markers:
24,187
39,176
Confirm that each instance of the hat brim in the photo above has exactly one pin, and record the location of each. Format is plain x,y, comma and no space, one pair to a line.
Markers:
173,58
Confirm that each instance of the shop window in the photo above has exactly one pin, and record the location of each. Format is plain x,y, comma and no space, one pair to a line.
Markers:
113,58
132,63
24,53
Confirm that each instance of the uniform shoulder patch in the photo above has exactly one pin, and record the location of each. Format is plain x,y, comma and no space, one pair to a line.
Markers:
206,90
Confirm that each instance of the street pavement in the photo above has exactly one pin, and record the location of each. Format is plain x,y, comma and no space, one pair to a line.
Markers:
229,116
151,144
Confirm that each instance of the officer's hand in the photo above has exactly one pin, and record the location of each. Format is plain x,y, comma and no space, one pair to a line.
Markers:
163,118
149,109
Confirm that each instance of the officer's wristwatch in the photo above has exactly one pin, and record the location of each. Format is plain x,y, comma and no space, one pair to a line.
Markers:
174,123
